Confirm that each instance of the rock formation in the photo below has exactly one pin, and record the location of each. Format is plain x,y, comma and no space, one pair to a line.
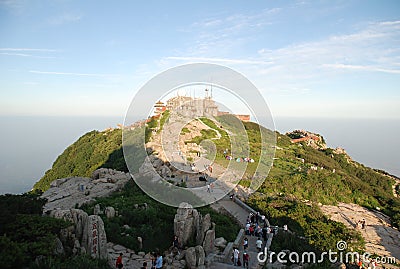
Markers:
68,193
190,226
87,235
195,257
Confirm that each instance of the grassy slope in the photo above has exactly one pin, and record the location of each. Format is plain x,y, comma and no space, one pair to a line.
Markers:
289,183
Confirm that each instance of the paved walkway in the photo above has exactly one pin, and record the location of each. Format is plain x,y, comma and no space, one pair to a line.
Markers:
241,215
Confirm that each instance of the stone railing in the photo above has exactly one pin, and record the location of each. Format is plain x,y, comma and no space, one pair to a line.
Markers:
247,207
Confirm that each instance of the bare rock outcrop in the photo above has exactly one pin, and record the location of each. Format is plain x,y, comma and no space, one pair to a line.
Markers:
195,257
66,193
380,237
191,226
87,232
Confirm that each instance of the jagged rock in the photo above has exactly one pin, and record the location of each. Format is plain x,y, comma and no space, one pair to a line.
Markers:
209,242
110,212
77,247
89,230
190,258
181,255
203,226
140,241
200,255
66,193
59,248
220,242
118,248
169,260
97,239
96,210
184,223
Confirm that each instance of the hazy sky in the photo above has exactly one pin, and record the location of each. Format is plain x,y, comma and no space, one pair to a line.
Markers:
308,58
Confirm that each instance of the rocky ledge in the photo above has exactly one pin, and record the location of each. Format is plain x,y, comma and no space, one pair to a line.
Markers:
66,193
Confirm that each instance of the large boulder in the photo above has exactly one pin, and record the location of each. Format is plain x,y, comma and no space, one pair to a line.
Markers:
203,227
190,226
220,242
185,223
190,257
70,192
88,230
96,210
209,242
195,257
110,212
200,256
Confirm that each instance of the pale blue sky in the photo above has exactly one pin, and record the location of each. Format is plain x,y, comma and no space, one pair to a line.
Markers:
308,58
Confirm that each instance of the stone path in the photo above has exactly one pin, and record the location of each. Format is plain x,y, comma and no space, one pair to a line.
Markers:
397,183
241,215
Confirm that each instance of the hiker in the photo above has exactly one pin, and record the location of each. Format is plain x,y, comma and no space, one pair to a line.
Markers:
119,263
259,244
159,261
153,260
175,245
144,266
246,259
265,234
235,256
251,230
208,188
360,266
247,228
245,243
251,217
363,224
259,231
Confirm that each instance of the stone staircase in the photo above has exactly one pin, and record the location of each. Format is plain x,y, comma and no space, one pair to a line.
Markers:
241,214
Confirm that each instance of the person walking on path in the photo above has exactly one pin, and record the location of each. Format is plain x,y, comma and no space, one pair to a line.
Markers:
159,261
259,244
245,243
246,259
235,256
119,263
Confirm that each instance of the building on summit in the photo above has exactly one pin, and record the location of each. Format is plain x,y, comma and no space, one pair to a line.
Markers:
193,107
